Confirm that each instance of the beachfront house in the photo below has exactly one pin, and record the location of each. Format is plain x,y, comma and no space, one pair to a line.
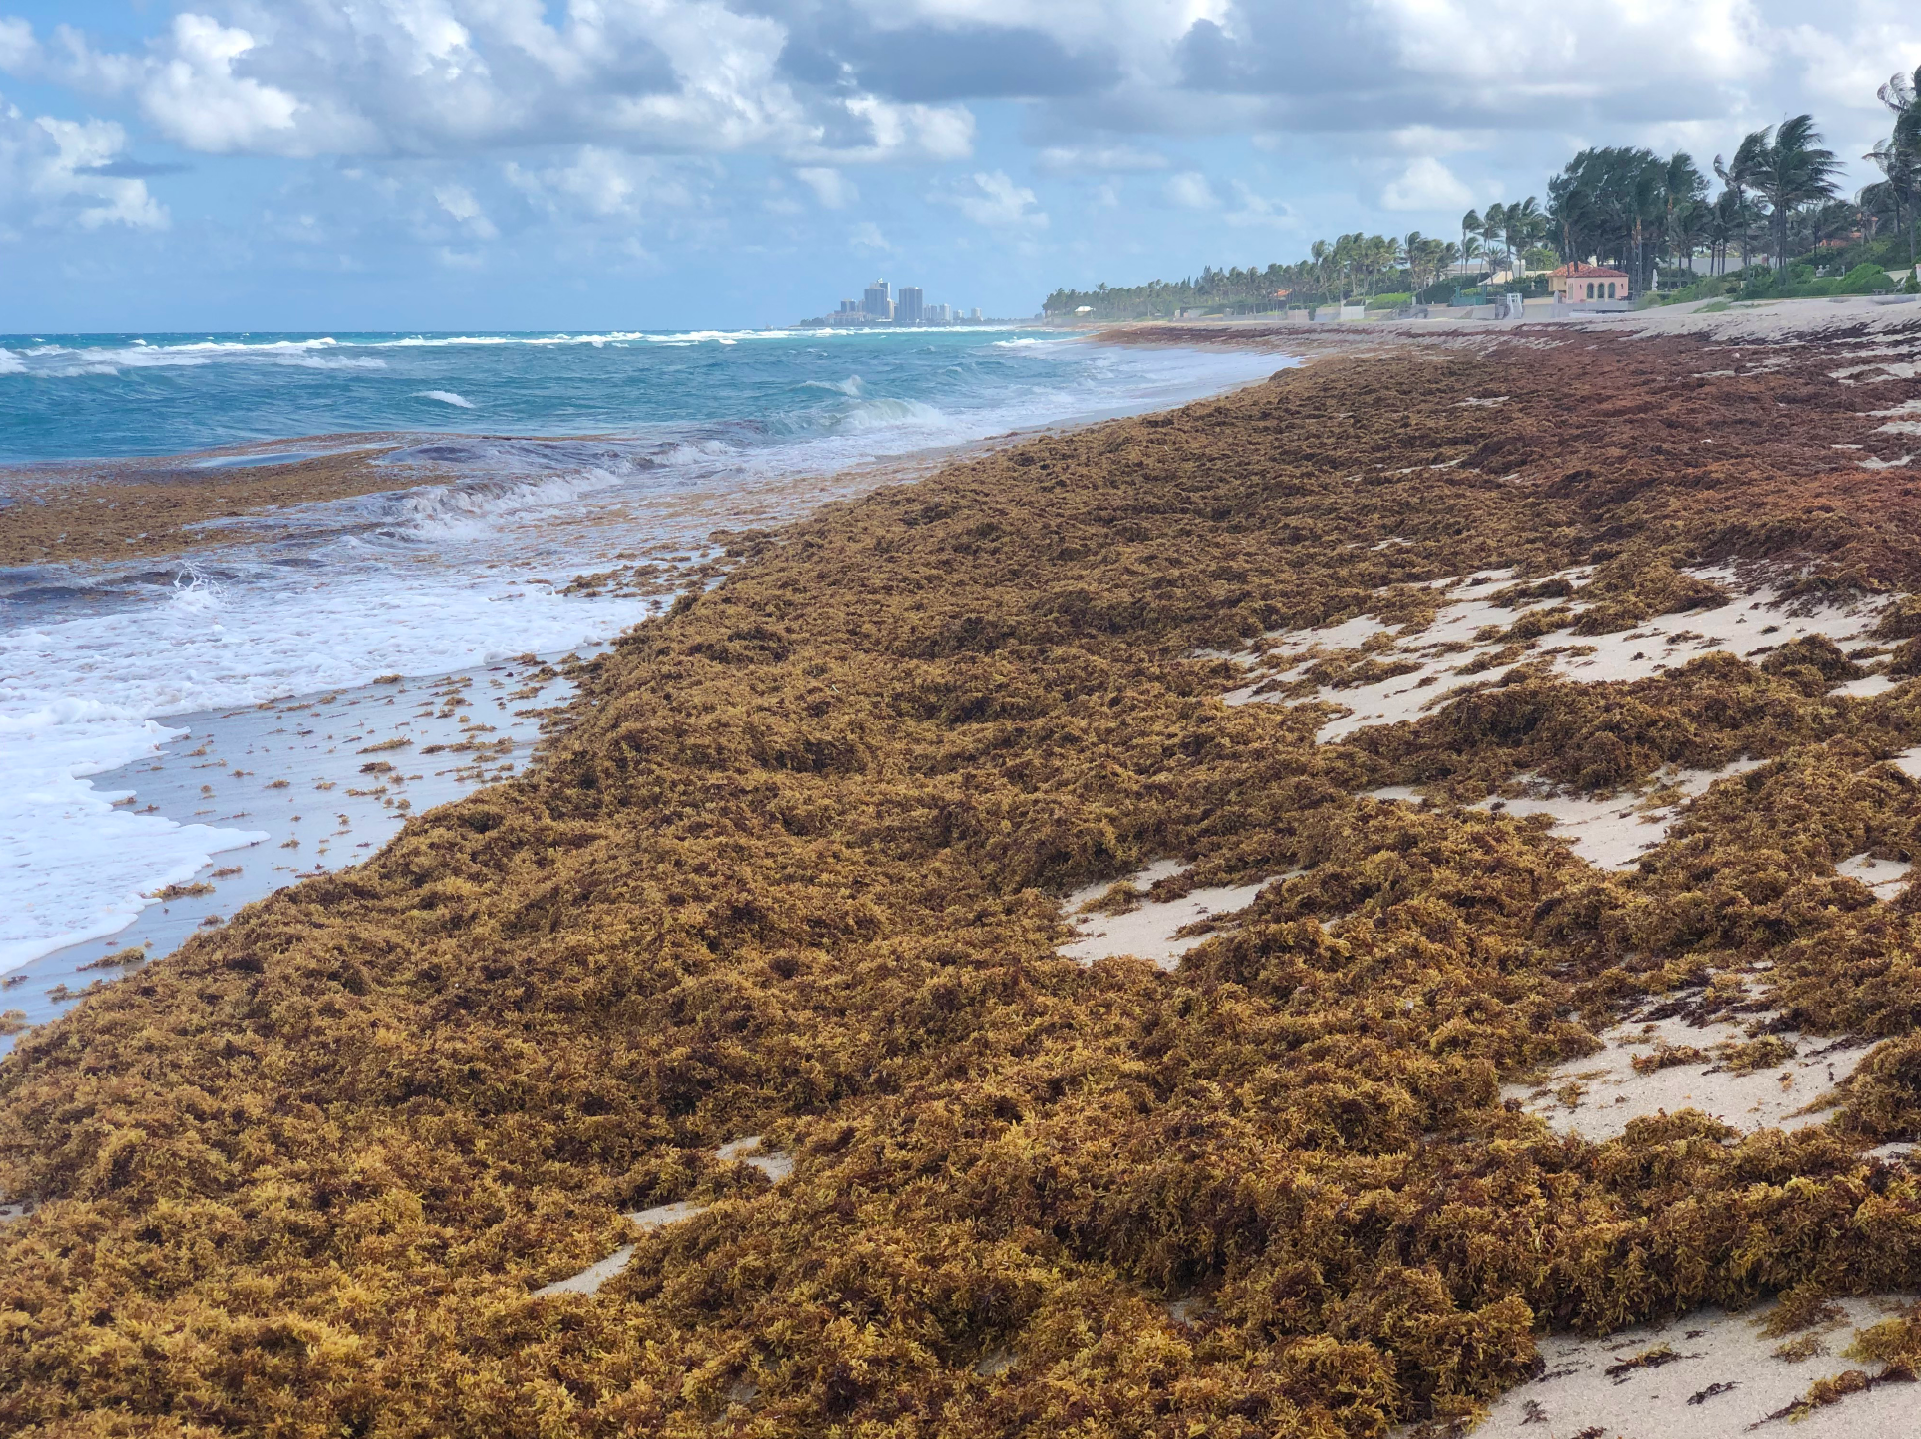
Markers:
1578,284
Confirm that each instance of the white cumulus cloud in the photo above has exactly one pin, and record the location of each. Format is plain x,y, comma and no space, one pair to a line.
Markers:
602,183
445,77
995,200
196,98
833,189
459,202
19,51
1258,211
1073,159
50,175
1426,184
1190,191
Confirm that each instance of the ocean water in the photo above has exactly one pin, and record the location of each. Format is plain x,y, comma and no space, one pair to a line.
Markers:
736,393
574,454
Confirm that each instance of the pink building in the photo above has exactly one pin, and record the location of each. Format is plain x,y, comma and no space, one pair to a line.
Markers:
1577,284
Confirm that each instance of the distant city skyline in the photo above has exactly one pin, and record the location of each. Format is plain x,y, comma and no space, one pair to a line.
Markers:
879,305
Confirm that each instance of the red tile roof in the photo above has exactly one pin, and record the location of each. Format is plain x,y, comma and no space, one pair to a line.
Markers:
1579,271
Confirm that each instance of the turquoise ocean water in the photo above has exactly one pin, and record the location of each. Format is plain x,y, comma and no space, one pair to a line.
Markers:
748,392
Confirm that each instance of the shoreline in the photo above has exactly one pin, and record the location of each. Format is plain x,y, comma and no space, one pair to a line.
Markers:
632,553
802,868
275,765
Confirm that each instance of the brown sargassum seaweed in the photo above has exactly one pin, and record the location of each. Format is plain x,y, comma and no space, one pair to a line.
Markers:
793,870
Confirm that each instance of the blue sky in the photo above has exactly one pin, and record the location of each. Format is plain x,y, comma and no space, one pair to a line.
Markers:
454,164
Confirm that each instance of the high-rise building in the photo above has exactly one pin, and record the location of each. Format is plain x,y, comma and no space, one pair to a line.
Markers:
852,307
875,303
937,315
976,315
907,308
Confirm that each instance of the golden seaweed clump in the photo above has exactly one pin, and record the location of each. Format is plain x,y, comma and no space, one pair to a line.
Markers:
793,868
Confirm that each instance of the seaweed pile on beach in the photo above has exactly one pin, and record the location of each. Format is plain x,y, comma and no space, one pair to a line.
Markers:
794,869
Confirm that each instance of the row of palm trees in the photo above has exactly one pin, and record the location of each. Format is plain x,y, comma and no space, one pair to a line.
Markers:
1341,269
1635,208
1627,205
1503,232
1359,264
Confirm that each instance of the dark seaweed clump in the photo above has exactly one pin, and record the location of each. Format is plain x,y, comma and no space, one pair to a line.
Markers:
793,870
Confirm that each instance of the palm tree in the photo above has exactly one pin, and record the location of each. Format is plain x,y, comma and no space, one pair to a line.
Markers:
1321,254
1519,224
1597,199
1568,207
1899,156
1384,254
1788,167
1470,235
1723,224
1682,188
1493,222
1739,175
1644,206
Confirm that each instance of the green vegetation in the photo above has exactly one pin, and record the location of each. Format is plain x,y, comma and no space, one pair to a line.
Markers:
1630,208
1354,267
1800,281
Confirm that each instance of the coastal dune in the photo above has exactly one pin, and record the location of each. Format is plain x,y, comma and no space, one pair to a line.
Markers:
795,869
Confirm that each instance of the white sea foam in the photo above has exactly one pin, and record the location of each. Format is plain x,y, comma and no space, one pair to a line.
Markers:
851,386
446,397
316,362
72,866
879,414
82,696
725,337
435,342
477,511
64,361
11,364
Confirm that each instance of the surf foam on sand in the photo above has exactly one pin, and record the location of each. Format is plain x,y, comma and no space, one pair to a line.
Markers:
283,790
